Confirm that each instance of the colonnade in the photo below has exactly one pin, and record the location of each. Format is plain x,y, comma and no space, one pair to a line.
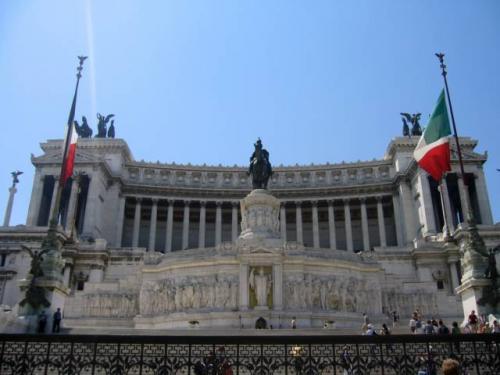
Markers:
186,207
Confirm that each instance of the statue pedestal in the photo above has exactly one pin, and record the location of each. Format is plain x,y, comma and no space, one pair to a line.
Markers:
471,291
260,216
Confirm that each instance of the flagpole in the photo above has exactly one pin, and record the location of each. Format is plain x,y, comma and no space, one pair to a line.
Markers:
468,215
55,212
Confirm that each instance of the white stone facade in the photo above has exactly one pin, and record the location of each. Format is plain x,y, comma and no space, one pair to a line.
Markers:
169,246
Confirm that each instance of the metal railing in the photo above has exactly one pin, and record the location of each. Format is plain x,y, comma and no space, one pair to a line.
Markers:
198,355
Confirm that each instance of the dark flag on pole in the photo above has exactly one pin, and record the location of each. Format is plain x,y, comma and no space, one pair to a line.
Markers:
69,148
71,135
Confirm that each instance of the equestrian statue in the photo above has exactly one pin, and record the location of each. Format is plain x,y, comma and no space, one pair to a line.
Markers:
260,167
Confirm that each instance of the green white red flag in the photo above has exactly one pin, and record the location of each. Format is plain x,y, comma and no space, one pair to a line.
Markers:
69,154
433,149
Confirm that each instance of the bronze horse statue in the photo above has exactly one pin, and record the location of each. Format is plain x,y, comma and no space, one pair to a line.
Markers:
260,167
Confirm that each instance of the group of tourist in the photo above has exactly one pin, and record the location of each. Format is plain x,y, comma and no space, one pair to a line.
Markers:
56,321
419,325
474,324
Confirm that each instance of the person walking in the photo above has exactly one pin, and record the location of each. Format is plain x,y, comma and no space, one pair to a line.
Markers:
395,319
473,320
56,321
429,328
450,367
442,329
42,322
366,322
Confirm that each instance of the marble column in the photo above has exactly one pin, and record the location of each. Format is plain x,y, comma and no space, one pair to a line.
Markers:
170,223
36,199
315,224
137,222
443,187
298,220
409,213
218,222
73,198
244,287
381,223
283,221
234,221
397,219
53,199
452,264
364,225
119,221
67,275
483,199
185,226
152,225
430,226
463,192
203,219
93,218
277,286
10,203
348,225
331,226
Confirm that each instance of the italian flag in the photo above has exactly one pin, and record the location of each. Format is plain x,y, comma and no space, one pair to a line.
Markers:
69,154
433,149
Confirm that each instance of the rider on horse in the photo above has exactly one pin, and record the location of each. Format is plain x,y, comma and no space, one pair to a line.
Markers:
260,167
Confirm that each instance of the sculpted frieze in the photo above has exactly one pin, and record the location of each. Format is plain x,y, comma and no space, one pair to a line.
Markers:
110,305
214,293
330,293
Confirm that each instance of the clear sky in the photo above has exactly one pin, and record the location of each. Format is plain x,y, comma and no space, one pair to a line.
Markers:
198,81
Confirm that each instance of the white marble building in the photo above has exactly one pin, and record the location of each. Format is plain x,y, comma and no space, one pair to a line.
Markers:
161,245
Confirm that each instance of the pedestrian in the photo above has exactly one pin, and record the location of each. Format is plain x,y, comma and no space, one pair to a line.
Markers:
442,329
496,327
472,320
455,330
366,321
42,322
413,324
450,367
345,360
370,330
429,328
385,330
395,319
56,321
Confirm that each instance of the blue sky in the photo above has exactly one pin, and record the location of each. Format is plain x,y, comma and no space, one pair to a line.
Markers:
199,81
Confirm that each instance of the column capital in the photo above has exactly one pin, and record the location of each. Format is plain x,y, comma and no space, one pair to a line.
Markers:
298,203
138,200
235,204
218,203
314,203
362,200
379,198
330,202
170,202
203,203
346,201
187,202
155,200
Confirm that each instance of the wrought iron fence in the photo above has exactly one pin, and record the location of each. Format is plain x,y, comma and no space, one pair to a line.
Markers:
198,355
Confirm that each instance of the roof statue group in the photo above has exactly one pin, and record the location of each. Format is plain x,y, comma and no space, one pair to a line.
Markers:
85,131
414,121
